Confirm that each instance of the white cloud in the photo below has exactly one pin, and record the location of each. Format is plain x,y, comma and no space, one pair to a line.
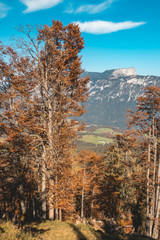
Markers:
102,27
36,5
91,8
3,10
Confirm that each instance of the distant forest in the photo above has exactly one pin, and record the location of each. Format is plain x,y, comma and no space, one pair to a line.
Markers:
42,174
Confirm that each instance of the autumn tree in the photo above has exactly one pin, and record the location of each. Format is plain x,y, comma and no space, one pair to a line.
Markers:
41,91
147,118
14,143
89,169
133,153
111,182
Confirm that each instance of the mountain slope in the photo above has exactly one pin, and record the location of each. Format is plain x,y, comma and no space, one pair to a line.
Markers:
112,93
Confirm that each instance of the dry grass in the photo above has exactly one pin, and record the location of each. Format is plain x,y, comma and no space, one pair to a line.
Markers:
96,139
47,230
9,231
57,230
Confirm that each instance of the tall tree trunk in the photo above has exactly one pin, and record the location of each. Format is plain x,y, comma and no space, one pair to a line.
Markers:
51,207
60,213
56,213
51,212
152,214
82,200
155,232
92,203
148,226
14,215
34,208
44,204
22,201
82,203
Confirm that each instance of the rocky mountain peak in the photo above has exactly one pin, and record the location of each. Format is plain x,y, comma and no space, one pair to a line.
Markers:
112,93
125,72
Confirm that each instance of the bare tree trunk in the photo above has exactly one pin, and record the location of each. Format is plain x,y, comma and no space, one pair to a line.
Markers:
22,201
44,204
56,208
51,207
60,213
51,212
56,213
82,204
154,181
155,232
92,203
14,214
148,226
4,209
34,209
156,223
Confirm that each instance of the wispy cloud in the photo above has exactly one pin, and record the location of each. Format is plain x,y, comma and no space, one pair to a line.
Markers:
36,5
90,8
3,10
102,27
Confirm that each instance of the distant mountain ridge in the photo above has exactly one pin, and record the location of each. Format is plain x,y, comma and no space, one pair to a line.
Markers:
112,93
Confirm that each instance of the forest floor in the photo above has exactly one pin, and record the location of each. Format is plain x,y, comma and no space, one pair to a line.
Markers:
57,230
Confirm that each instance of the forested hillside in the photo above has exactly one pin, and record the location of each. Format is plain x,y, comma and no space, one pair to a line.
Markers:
112,92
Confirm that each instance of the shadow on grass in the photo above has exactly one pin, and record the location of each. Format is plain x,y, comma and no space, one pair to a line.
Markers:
104,236
108,232
34,230
1,230
99,235
78,233
139,237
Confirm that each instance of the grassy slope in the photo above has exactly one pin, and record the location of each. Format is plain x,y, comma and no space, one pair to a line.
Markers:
106,130
95,139
57,230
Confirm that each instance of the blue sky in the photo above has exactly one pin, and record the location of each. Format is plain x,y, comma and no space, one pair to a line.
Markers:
117,33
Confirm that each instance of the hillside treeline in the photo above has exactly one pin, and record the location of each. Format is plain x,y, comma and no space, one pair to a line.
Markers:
42,176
